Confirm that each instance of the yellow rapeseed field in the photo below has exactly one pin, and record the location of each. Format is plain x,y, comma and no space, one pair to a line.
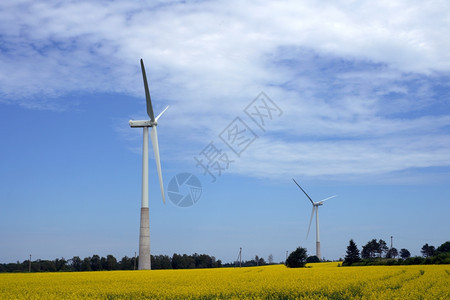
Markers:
319,281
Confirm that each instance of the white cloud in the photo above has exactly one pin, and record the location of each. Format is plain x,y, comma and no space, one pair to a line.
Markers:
272,159
341,70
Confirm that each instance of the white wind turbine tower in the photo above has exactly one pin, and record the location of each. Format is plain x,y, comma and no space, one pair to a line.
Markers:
144,233
316,208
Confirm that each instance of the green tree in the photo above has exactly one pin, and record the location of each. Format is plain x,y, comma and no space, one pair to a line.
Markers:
103,264
182,261
46,266
202,260
392,253
126,263
370,249
261,261
352,253
177,261
382,247
297,259
312,259
445,247
155,262
61,264
218,264
111,262
165,262
404,253
374,247
86,264
162,262
96,263
427,250
75,263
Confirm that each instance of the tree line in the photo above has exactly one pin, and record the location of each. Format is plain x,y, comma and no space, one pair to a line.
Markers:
256,261
376,252
110,263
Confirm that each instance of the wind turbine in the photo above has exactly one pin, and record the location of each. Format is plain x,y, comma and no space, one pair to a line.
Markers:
144,233
316,208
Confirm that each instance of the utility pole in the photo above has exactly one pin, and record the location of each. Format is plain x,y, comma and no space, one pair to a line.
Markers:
29,265
134,268
391,241
240,257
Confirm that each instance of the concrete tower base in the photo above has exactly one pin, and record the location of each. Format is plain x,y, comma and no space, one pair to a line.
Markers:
144,241
318,250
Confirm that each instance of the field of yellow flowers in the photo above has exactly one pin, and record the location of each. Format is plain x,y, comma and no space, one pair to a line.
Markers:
318,281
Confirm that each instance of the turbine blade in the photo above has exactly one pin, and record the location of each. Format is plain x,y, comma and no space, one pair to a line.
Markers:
161,113
328,198
303,191
310,221
154,138
147,94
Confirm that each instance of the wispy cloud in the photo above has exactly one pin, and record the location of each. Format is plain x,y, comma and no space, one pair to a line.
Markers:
363,85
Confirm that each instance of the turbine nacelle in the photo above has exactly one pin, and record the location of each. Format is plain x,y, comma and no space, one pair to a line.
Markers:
147,123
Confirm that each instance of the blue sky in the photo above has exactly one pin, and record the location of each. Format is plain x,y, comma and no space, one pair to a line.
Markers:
364,112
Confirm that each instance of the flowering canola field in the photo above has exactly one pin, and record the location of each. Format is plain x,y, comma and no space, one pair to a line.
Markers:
320,281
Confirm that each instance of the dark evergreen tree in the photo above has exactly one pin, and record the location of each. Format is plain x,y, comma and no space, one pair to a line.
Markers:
352,253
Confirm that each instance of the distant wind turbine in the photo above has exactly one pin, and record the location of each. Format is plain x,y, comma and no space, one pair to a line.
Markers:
316,208
144,233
